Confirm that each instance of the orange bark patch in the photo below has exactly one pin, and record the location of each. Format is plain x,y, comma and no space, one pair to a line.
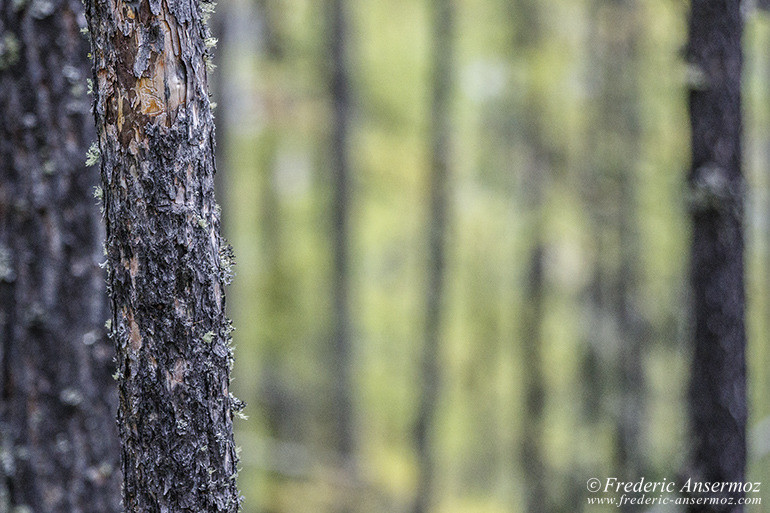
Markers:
176,376
134,335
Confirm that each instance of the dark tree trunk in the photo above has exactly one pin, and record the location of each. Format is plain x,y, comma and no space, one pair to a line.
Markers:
534,382
443,22
342,384
58,438
718,382
630,454
167,264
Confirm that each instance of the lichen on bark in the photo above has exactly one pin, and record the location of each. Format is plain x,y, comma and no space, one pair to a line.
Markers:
167,263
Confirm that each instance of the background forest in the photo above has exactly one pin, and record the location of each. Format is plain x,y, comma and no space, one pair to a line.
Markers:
558,326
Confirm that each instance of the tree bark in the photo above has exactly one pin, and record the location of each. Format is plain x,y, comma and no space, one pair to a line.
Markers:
57,428
167,263
58,439
718,408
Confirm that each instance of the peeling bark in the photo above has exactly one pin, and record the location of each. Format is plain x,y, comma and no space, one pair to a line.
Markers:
59,450
167,263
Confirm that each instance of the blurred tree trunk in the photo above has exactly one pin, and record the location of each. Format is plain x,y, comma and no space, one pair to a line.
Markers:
443,23
591,366
341,364
167,264
718,408
529,36
534,382
58,437
611,198
617,161
271,34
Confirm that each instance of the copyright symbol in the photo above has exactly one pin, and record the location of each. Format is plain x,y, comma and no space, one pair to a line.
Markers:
593,485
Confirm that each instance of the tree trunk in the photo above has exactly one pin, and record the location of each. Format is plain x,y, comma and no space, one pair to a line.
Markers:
532,453
167,264
718,382
617,163
443,22
58,437
342,385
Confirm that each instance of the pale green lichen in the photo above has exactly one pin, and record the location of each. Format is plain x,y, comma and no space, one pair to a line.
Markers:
711,190
208,337
71,397
207,9
93,154
7,273
237,406
210,66
695,77
9,50
226,261
41,9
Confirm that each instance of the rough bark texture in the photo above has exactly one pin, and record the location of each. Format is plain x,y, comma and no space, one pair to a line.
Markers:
59,448
718,381
167,263
443,22
342,402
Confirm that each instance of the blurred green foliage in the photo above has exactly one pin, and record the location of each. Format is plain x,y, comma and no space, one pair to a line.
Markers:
273,124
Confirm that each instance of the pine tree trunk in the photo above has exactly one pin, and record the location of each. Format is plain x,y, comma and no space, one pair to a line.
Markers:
718,381
619,114
167,263
443,22
58,439
532,454
342,386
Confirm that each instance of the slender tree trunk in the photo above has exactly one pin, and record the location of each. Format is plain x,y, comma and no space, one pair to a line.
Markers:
630,456
58,437
619,114
529,36
167,264
341,364
534,382
591,365
443,23
718,408
615,147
